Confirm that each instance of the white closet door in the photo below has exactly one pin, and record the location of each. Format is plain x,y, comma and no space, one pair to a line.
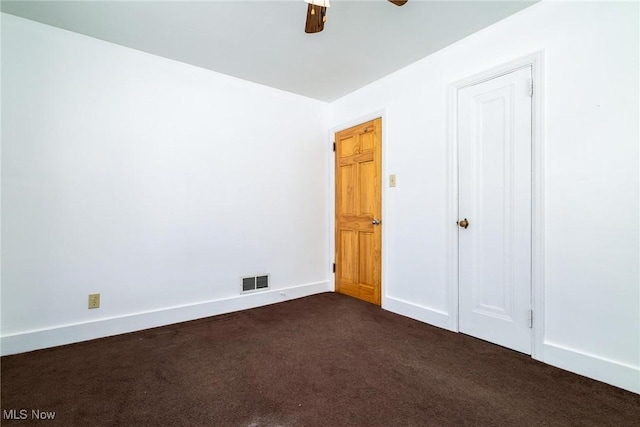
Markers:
494,154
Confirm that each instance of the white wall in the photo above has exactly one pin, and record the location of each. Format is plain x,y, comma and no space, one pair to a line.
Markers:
591,139
155,183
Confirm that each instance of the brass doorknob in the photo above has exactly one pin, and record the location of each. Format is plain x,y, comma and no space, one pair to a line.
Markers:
463,223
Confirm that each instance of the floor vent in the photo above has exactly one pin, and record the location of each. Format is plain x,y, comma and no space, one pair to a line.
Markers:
255,283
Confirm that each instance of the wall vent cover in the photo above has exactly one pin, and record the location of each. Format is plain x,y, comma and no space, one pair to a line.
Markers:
255,283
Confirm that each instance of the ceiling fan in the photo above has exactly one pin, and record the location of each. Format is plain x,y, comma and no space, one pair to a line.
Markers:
317,14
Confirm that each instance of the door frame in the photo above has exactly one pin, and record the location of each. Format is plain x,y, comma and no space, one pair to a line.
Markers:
536,62
331,197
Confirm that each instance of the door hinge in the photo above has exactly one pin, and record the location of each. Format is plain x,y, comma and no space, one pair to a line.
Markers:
530,319
334,146
334,267
531,88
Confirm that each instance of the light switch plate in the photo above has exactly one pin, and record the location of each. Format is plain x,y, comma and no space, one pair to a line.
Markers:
392,180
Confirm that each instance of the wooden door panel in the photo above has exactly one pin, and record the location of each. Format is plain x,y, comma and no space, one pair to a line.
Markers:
348,244
346,191
348,146
358,203
366,188
365,267
367,142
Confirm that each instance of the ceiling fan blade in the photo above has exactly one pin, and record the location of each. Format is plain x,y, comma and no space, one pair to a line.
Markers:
316,16
398,2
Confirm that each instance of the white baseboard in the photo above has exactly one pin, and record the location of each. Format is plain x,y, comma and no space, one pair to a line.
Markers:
67,334
595,367
598,368
417,312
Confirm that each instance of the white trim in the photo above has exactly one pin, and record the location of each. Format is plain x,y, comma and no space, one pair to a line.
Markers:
536,62
382,114
418,312
72,333
599,368
452,207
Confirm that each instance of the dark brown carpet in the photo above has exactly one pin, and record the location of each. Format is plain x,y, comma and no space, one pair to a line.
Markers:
324,360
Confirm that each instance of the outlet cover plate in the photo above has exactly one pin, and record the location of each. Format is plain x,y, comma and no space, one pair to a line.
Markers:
94,300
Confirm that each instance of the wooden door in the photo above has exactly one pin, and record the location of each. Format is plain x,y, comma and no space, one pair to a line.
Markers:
358,180
494,158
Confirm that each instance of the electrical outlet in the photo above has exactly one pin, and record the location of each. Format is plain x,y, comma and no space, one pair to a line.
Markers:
94,300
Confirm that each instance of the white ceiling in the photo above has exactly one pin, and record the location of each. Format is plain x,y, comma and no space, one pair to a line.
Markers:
264,41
